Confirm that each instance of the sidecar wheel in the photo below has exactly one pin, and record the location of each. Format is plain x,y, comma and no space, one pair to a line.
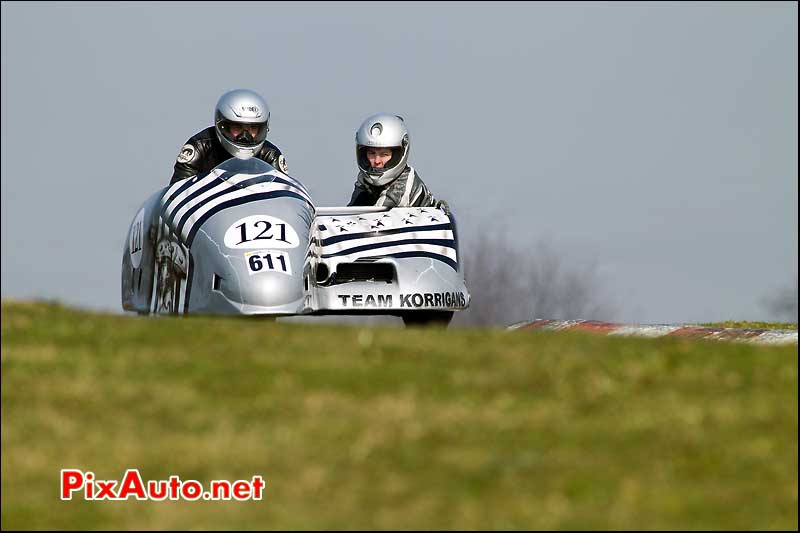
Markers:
428,318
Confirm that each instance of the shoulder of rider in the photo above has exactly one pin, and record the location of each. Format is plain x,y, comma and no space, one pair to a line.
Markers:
273,155
191,150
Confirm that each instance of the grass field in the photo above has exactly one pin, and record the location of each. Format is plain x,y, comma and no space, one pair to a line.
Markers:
389,428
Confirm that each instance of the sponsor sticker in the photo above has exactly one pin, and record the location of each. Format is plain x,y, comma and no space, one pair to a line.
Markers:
187,153
282,166
250,111
136,242
410,300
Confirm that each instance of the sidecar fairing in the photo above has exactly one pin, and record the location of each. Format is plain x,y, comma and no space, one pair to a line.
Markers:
401,261
246,239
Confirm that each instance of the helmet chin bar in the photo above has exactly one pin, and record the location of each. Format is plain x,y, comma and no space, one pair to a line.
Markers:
244,154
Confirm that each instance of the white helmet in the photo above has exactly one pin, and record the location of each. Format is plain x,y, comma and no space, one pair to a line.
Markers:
241,120
382,131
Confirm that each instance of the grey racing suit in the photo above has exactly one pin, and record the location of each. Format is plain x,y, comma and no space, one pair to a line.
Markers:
407,190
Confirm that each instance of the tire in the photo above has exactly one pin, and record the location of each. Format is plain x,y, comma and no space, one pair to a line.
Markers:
428,318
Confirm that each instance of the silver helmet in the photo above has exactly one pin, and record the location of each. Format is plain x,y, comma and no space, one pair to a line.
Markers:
382,131
241,120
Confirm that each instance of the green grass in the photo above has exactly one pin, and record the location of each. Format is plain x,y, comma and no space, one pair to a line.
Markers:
388,428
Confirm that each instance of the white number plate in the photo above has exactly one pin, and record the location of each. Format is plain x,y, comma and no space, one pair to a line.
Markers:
268,261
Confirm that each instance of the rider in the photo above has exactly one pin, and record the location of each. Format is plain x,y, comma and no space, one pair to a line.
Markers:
385,178
241,123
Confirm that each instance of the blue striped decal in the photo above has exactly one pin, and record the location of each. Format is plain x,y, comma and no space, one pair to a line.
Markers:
449,243
294,183
219,179
188,292
443,258
234,202
207,187
192,181
252,181
340,238
189,198
185,185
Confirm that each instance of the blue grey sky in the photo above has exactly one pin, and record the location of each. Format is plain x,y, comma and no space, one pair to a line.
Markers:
655,140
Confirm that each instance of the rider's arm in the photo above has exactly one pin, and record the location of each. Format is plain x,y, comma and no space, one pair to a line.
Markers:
421,196
360,196
273,155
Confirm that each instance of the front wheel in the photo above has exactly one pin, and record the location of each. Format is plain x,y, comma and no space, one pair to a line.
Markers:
428,318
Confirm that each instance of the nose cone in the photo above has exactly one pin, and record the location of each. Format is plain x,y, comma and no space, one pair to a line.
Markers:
262,271
271,289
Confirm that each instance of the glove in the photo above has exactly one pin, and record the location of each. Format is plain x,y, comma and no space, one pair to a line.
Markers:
441,204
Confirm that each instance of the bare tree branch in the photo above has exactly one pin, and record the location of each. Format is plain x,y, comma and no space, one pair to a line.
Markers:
783,304
511,283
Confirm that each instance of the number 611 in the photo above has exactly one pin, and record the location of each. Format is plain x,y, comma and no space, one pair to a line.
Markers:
268,261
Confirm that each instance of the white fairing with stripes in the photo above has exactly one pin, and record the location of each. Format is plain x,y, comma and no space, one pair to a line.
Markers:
247,239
